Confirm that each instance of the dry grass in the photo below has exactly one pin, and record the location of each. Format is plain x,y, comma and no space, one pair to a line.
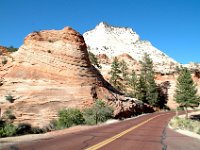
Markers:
185,124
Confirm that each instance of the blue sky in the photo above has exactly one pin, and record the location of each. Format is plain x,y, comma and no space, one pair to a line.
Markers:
172,26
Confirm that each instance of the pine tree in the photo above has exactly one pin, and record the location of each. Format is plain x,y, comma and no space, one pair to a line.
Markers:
186,92
133,83
115,72
124,70
94,61
147,74
141,89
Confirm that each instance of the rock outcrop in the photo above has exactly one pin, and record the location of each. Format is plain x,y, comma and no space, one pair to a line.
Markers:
52,71
114,41
125,44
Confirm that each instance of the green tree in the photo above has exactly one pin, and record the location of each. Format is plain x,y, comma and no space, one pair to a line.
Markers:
99,112
69,117
124,70
149,89
141,89
94,60
115,73
186,92
133,83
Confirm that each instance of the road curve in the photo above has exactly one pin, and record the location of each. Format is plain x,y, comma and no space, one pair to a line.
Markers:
148,132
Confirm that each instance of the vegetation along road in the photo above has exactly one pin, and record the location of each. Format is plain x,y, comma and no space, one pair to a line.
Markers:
148,132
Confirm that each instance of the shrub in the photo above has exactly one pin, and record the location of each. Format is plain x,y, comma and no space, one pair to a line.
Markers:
69,117
89,115
36,130
8,115
99,112
9,98
12,49
7,130
51,126
4,61
23,128
185,124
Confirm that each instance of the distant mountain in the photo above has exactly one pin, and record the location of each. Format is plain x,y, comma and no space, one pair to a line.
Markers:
114,41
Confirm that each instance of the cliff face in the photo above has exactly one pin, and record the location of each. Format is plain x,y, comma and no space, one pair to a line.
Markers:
52,71
115,41
107,42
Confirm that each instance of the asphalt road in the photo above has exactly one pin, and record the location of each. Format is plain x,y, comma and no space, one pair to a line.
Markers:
148,132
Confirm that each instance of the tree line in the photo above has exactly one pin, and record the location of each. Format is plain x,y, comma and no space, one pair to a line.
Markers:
142,85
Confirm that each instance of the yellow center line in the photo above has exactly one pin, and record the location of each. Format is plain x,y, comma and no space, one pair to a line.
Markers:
109,140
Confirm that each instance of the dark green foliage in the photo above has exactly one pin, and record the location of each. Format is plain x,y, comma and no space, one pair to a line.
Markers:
186,92
133,83
99,112
94,61
12,49
90,116
163,94
141,89
115,72
10,98
147,88
69,117
7,130
124,71
23,128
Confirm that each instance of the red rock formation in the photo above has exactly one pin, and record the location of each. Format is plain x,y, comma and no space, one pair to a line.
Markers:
52,71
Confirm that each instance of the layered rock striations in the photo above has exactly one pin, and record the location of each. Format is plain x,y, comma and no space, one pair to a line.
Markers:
52,71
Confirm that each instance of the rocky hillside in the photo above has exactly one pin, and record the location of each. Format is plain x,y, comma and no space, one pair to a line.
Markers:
114,41
107,42
52,71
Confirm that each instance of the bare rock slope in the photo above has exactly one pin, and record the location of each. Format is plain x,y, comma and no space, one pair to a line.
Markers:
107,42
52,71
114,41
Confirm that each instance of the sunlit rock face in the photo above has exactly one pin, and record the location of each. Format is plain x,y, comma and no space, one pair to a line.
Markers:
114,41
52,71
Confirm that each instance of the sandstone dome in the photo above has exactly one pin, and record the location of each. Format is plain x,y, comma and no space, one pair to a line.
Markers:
52,71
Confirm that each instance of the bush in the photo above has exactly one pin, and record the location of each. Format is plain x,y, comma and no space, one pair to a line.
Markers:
7,130
185,124
36,130
8,116
12,49
10,98
89,115
99,112
4,61
23,128
51,126
69,117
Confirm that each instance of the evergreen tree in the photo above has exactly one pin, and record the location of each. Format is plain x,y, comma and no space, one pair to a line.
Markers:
133,83
186,92
141,89
149,88
115,72
94,61
124,70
